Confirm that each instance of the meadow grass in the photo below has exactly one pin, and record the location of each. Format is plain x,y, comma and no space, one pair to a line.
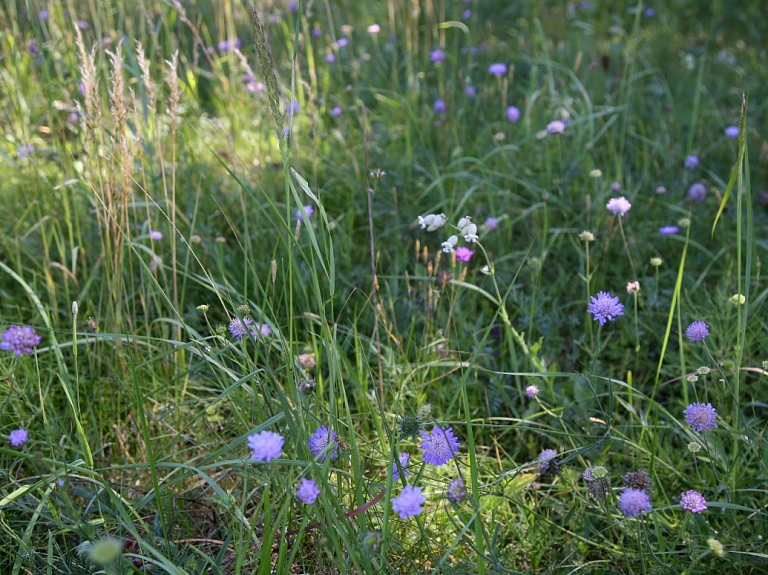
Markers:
218,219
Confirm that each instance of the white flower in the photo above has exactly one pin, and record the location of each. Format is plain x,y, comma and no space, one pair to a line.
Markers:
449,244
432,221
468,229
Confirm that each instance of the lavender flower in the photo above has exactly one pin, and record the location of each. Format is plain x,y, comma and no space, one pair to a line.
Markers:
155,235
491,223
693,501
691,162
497,69
463,254
632,502
556,127
308,491
336,111
439,447
342,42
240,327
697,192
374,29
618,206
513,114
732,131
605,307
43,14
697,331
531,391
437,56
32,46
467,14
470,91
701,417
403,458
20,339
308,209
439,107
548,463
330,58
266,445
18,437
25,151
319,441
456,490
409,502
669,230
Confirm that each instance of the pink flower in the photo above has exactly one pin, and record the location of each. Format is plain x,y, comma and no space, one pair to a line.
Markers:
618,206
463,254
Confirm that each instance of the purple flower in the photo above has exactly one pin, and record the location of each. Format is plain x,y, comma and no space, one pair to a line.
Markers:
587,474
18,437
669,230
409,502
467,14
456,490
701,417
43,14
439,447
226,46
308,491
260,329
618,206
531,391
316,32
439,107
463,254
697,192
25,151
341,42
437,56
308,209
266,445
470,91
615,186
155,235
513,114
634,501
81,88
239,327
336,111
605,307
320,440
403,459
649,12
292,108
697,331
329,57
20,339
556,127
497,69
491,223
32,46
732,131
691,162
693,501
82,24
293,5
548,464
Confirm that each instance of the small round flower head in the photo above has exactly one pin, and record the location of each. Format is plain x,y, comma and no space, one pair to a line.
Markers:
374,29
697,331
409,502
556,127
737,299
491,223
260,330
456,490
595,173
470,91
20,339
615,186
463,254
319,441
531,391
18,437
691,162
701,417
732,131
240,327
513,114
656,261
341,42
410,427
587,474
633,287
605,307
155,235
661,190
467,14
632,502
697,192
548,464
692,501
716,547
669,230
308,209
498,69
638,480
439,107
308,491
587,236
336,111
439,447
618,206
403,459
437,56
266,445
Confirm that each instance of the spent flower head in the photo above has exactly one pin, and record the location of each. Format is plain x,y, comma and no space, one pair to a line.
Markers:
694,447
587,236
409,502
605,307
548,462
633,287
440,446
410,426
266,445
693,501
701,417
20,339
697,331
638,480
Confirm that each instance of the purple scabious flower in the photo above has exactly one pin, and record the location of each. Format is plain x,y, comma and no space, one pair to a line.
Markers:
25,151
531,391
341,42
20,339
697,331
403,459
329,57
308,491
587,474
556,127
439,447
439,107
618,206
18,437
697,192
548,463
437,56
463,254
310,211
155,235
319,441
498,69
336,111
32,46
293,5
260,330
605,307
292,108
669,230
456,490
467,14
701,417
634,501
691,162
409,502
43,14
693,501
513,114
491,223
470,91
649,12
266,445
732,131
239,327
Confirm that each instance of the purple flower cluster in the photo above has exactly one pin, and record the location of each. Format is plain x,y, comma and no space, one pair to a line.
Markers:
20,339
440,446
